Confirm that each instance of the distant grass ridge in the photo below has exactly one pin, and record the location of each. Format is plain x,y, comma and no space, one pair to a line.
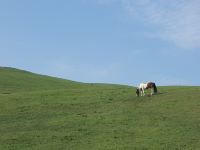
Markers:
13,80
47,113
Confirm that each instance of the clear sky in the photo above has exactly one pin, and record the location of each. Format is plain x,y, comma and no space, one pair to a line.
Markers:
109,41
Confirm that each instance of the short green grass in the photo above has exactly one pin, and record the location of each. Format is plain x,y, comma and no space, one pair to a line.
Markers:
41,112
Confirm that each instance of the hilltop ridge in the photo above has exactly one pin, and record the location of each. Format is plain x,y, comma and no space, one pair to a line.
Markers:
12,80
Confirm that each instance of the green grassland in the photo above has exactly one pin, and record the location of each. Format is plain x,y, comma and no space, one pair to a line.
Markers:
41,112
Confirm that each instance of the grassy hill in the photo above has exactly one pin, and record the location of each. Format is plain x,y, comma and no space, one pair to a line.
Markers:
41,112
14,80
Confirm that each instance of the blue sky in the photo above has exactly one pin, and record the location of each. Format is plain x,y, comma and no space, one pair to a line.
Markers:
109,41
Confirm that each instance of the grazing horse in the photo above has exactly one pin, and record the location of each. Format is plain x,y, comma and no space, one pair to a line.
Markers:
148,85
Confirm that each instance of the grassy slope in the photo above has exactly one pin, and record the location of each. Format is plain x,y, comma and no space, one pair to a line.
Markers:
14,80
40,112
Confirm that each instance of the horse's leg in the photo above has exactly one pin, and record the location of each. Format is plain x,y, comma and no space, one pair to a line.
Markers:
143,91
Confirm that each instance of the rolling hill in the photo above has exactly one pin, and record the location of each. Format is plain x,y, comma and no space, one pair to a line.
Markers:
42,112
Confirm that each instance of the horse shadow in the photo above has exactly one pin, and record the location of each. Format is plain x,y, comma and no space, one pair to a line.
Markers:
159,93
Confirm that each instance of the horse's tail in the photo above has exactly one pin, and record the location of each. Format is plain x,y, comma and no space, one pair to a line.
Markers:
155,88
